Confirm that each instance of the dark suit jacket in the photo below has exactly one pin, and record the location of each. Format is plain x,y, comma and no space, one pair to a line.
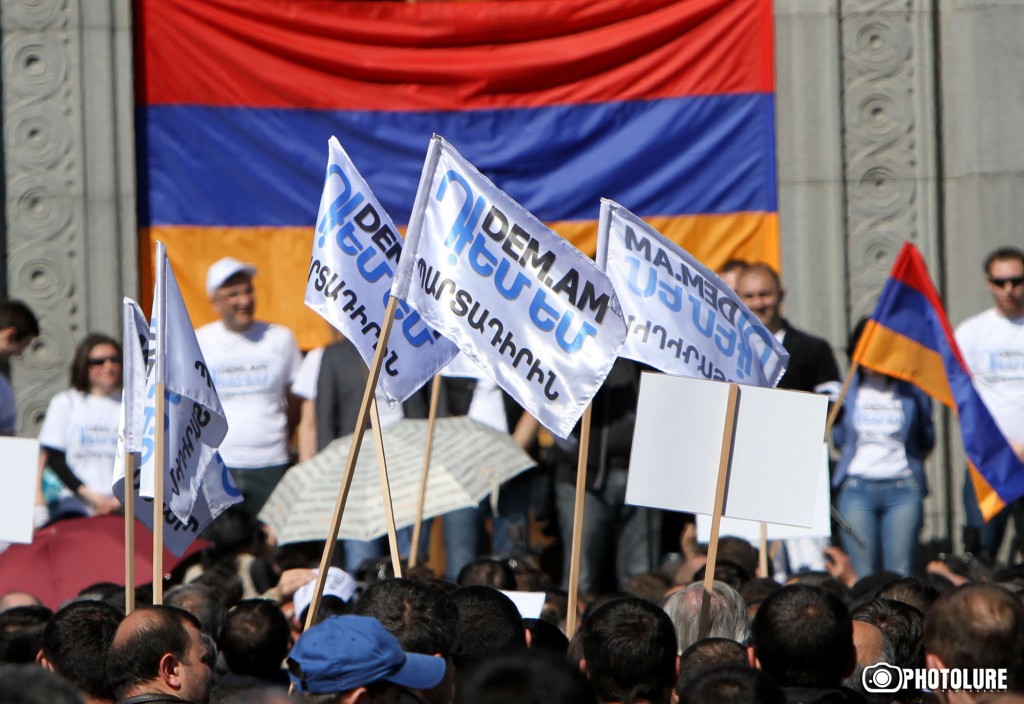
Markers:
811,361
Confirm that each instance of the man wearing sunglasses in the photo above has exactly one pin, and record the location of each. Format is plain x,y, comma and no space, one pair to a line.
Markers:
992,344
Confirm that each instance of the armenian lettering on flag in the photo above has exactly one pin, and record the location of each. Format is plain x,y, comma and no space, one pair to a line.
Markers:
910,338
665,105
355,252
681,318
530,309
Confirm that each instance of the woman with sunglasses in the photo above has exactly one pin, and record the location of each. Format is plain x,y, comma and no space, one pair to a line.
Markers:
79,435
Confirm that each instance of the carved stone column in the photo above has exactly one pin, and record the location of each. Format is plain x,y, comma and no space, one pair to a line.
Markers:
70,230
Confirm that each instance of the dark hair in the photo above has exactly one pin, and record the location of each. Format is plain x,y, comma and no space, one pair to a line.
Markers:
17,315
757,590
803,637
1003,253
76,641
202,602
32,684
255,638
855,335
914,591
135,658
732,265
422,617
525,678
650,586
733,685
80,364
901,624
489,623
824,580
545,635
708,654
487,572
630,648
21,632
978,625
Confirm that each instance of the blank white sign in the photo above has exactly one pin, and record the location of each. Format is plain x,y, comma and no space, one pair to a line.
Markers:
20,470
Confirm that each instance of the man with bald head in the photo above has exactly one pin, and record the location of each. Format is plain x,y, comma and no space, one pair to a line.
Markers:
160,656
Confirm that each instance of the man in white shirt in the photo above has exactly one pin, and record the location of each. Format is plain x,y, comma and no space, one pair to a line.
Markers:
992,344
253,364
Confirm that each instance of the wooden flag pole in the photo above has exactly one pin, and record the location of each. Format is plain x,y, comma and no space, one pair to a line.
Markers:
834,411
129,531
577,523
435,395
762,551
723,479
385,489
350,462
158,496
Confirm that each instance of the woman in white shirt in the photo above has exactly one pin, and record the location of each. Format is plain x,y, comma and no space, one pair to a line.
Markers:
79,435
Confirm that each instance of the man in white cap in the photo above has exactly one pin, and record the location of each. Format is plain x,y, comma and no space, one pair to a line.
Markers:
253,365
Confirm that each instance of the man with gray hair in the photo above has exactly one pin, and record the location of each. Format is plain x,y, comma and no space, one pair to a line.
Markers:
728,614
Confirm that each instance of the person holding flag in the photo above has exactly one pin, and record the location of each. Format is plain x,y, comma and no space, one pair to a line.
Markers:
909,337
992,343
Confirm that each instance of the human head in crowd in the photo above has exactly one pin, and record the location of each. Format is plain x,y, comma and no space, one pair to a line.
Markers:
21,633
651,586
348,659
255,640
756,591
629,652
422,617
89,377
248,694
546,636
200,601
18,327
728,614
761,289
229,286
803,637
730,272
708,654
161,650
914,591
824,581
338,591
733,685
489,624
727,572
871,648
739,552
1005,271
75,644
903,628
31,684
12,599
487,572
525,678
976,626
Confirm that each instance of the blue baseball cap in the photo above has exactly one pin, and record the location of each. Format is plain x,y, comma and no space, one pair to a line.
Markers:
346,652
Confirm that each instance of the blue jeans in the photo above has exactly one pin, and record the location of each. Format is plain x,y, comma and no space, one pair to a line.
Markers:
634,531
887,516
987,537
464,528
359,551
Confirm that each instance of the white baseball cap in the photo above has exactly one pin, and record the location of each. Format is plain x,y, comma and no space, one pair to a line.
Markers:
222,270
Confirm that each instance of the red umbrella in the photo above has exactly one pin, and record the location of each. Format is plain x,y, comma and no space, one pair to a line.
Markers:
68,556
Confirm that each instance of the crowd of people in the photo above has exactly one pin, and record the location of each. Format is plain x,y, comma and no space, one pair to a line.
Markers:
231,625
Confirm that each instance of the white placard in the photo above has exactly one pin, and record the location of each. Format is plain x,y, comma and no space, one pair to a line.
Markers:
530,604
20,469
751,530
678,442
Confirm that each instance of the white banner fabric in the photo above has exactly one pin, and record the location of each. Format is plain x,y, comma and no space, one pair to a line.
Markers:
356,248
682,318
529,308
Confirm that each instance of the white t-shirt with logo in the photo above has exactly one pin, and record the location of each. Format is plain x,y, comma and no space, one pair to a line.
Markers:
993,347
878,420
252,372
84,427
